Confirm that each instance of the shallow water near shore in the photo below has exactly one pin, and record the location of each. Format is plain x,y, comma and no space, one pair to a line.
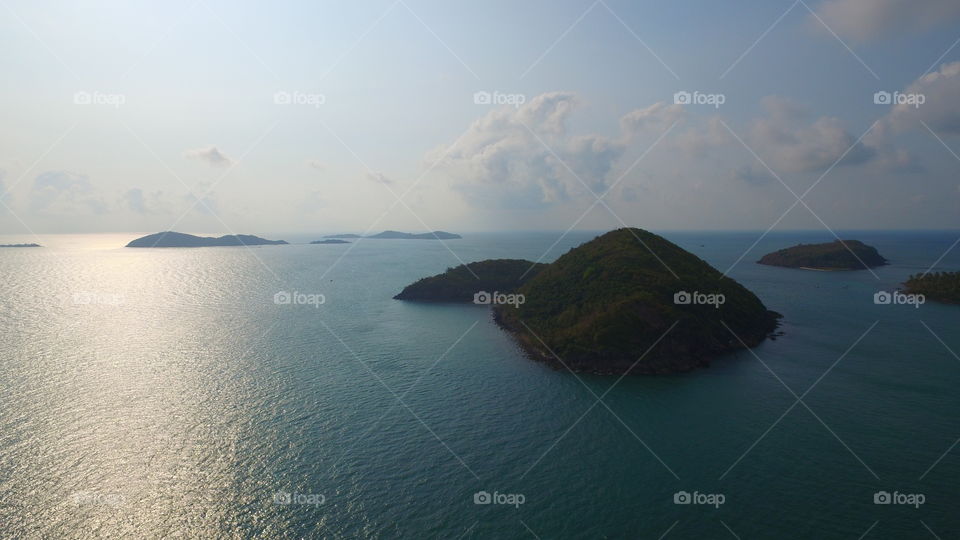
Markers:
156,393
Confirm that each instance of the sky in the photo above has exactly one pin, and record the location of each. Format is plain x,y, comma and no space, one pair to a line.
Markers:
264,117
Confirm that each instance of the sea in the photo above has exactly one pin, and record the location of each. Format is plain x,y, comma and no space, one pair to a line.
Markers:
280,392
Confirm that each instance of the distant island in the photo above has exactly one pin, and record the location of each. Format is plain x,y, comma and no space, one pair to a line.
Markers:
397,235
330,241
175,239
19,245
460,284
607,305
836,255
941,286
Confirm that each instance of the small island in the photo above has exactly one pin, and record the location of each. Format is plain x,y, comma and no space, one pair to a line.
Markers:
19,245
460,284
836,255
940,286
611,306
175,239
330,241
397,235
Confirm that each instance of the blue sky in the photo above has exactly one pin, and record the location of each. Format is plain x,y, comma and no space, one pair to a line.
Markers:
184,131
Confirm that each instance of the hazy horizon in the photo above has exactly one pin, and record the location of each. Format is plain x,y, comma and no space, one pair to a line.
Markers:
418,116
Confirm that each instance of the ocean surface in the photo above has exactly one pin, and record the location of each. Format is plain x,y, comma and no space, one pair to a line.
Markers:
165,393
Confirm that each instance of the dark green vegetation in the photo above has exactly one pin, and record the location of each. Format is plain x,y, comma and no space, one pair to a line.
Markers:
19,245
459,284
940,286
602,305
330,241
827,256
175,239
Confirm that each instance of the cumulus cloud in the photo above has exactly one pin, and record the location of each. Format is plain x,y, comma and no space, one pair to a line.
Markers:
524,157
210,154
941,103
65,192
786,139
865,20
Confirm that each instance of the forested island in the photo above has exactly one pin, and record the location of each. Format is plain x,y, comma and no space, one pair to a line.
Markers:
460,284
330,241
612,306
939,286
397,235
836,255
175,239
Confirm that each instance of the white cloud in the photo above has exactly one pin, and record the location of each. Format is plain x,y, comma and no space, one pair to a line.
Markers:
524,158
941,107
865,20
65,192
788,142
211,154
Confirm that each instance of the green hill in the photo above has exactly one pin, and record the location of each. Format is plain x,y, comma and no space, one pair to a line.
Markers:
600,306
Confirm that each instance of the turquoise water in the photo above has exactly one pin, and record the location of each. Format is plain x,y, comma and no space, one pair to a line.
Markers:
159,393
